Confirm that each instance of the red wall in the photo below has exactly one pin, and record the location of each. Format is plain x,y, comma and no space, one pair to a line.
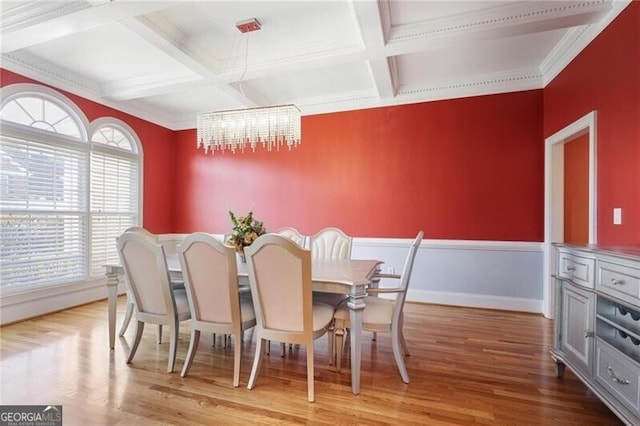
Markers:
606,77
158,147
468,168
576,190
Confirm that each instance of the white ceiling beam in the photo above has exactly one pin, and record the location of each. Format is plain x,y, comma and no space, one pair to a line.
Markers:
131,88
39,22
161,34
382,70
503,21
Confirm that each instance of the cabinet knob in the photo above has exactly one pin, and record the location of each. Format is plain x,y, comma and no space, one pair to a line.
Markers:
615,378
571,268
616,281
588,334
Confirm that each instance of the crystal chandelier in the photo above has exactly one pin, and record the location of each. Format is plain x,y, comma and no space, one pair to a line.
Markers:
272,126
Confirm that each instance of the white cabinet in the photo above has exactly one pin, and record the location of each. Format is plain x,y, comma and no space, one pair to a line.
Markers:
597,325
577,329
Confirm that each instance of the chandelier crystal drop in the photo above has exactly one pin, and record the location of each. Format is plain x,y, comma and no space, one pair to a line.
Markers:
272,126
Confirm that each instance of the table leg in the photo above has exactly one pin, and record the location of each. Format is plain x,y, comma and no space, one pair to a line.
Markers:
112,295
356,305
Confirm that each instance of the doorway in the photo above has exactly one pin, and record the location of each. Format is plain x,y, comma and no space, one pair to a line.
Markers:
554,223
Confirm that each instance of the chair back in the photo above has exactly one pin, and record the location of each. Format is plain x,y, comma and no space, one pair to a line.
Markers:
141,230
331,243
406,276
145,267
210,277
293,234
280,280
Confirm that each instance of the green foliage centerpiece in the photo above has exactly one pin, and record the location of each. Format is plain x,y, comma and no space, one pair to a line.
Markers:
245,231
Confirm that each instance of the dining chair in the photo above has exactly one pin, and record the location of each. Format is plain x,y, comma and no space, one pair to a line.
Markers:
381,314
280,281
211,280
156,302
330,243
293,234
130,305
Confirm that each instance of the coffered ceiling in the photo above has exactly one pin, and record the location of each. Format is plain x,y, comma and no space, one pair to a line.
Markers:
168,61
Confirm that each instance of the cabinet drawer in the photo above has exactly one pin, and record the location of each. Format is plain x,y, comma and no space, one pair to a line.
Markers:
618,374
619,281
576,268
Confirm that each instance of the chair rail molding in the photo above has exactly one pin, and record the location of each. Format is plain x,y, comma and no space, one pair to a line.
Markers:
484,274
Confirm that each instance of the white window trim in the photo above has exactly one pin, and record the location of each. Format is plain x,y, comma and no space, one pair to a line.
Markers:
31,301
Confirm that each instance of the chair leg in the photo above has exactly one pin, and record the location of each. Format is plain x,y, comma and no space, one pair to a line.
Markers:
339,338
159,334
257,361
331,336
237,352
136,340
405,348
283,349
397,353
310,394
128,313
214,340
173,345
193,347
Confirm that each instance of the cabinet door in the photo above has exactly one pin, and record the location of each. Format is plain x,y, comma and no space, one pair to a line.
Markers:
577,333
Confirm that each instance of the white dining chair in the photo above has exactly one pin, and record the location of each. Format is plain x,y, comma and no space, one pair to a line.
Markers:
293,234
381,314
211,280
145,267
130,305
330,243
280,280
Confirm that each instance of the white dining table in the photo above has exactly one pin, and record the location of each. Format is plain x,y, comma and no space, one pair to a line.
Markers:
351,277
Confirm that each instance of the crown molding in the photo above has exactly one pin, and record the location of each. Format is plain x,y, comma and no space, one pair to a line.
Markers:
61,79
16,16
32,67
484,84
517,15
574,41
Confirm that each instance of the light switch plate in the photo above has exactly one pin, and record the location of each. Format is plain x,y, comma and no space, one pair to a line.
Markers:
617,216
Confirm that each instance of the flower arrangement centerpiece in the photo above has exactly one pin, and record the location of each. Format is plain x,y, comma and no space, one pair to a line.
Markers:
245,231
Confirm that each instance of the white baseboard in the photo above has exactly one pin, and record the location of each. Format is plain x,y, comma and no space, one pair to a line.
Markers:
21,306
475,301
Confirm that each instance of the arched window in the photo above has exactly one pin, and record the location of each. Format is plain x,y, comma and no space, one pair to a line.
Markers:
114,186
57,173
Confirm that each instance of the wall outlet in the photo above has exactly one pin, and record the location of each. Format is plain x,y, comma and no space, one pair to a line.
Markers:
617,216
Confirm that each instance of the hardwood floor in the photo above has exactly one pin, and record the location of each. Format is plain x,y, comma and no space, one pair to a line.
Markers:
467,366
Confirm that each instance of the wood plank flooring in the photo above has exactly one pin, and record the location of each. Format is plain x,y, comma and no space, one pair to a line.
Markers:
467,366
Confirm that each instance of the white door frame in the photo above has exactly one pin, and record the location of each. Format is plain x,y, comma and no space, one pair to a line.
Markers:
554,197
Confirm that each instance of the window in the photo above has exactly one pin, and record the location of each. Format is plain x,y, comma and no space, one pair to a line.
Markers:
67,189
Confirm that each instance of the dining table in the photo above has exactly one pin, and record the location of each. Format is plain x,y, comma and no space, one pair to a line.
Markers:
350,277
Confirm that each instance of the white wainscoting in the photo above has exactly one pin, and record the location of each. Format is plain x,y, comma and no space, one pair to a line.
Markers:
485,274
